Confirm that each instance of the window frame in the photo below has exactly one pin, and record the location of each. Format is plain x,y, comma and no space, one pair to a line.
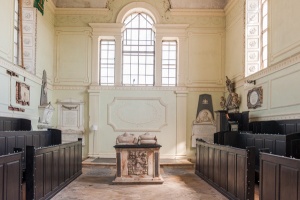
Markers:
166,67
140,72
107,63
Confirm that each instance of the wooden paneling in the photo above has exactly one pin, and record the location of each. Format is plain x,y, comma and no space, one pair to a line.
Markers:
230,170
14,124
282,127
10,176
279,177
52,168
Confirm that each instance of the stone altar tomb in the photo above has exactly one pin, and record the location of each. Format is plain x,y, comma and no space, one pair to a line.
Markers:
137,163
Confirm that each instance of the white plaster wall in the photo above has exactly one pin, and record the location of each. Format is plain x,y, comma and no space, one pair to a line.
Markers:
235,48
284,28
205,56
201,65
136,122
45,42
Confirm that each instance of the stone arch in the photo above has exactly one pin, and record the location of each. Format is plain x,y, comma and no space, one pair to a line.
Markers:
138,7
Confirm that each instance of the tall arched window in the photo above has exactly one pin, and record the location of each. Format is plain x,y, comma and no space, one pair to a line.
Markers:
138,50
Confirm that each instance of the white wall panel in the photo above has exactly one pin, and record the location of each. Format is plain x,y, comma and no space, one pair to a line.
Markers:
284,29
73,57
284,90
205,59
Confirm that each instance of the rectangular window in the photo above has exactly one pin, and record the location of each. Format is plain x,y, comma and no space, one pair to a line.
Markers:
107,62
169,63
16,33
264,34
256,56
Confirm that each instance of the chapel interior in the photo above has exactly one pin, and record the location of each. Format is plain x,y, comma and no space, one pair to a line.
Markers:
198,77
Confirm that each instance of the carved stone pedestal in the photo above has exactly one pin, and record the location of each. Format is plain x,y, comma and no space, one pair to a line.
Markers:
138,164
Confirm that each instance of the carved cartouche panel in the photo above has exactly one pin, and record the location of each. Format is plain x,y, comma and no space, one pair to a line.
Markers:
137,163
137,114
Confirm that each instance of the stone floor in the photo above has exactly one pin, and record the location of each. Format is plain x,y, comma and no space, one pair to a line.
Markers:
180,182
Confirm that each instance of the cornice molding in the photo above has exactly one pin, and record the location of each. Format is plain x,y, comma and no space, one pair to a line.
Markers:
56,87
81,11
198,12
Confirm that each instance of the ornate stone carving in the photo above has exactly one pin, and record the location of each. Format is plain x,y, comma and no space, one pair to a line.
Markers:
126,139
137,114
233,100
137,163
147,138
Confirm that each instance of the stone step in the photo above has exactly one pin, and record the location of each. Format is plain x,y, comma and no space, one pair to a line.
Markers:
112,162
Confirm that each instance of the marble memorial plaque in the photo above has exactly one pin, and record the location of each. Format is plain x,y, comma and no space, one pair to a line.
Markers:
203,131
70,118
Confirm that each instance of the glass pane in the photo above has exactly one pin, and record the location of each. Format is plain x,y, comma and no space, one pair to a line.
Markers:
126,59
149,60
172,54
142,59
126,69
172,81
110,72
111,80
134,69
142,80
265,38
111,54
149,80
165,81
265,8
165,62
134,79
165,55
103,71
126,79
149,70
165,73
172,72
142,48
265,53
172,62
139,37
142,69
265,23
103,79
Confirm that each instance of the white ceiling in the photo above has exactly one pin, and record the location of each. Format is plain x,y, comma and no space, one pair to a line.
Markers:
184,4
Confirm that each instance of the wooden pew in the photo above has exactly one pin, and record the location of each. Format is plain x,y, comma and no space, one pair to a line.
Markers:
230,170
11,176
50,169
279,177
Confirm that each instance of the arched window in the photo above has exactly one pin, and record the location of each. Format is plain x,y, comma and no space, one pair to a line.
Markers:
138,50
